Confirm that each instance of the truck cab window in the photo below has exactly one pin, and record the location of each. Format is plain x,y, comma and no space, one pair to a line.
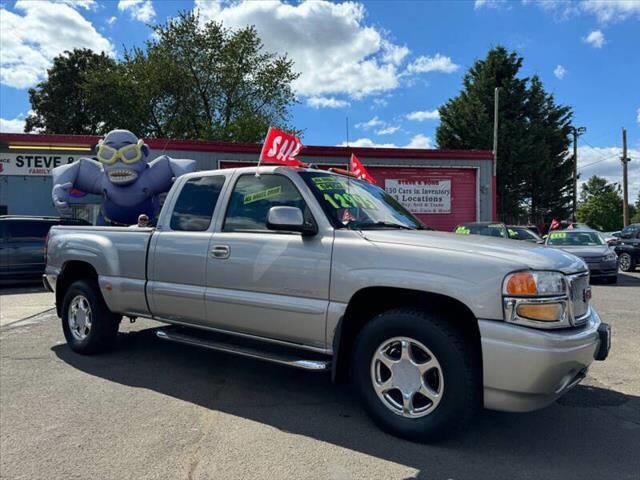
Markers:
252,198
195,205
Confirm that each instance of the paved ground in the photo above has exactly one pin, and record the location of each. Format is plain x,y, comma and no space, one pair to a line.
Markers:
152,410
22,302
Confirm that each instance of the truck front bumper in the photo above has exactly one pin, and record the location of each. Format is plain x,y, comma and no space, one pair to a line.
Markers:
526,369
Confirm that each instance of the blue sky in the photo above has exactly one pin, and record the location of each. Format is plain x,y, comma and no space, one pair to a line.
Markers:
387,66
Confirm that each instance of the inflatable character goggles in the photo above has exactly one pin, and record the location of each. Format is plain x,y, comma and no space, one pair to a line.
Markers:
128,153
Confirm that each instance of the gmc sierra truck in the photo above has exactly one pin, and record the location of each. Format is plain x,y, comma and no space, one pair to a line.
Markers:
322,271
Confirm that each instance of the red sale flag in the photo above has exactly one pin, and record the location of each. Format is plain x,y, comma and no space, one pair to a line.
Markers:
555,224
356,168
280,147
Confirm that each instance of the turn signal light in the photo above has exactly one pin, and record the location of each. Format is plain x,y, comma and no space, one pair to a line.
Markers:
545,312
521,283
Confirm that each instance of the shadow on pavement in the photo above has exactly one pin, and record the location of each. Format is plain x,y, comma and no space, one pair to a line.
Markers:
626,280
590,433
29,287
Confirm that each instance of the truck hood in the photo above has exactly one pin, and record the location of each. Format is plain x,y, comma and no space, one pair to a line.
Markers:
518,254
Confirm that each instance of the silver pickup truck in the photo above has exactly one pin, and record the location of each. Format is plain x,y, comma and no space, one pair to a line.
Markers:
322,271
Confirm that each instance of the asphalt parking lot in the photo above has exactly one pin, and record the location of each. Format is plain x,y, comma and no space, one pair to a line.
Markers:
152,410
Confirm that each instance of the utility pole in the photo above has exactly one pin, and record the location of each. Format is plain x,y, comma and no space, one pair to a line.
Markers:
496,97
625,187
576,132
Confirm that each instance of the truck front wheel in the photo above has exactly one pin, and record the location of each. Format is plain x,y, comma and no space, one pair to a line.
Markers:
88,325
417,375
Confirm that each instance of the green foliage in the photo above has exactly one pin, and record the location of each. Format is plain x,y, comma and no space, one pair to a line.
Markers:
534,176
59,102
191,81
600,204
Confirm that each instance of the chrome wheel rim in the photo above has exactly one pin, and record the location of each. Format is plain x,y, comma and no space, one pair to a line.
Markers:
79,317
625,261
407,377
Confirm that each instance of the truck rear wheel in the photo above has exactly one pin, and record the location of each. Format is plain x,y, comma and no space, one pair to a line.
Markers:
88,325
626,262
417,376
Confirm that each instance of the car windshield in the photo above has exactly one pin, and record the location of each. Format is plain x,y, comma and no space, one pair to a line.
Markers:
574,238
521,233
356,204
486,229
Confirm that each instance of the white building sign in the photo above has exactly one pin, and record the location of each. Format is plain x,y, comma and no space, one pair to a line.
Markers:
421,196
36,164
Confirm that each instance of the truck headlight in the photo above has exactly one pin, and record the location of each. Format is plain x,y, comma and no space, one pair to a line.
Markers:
536,299
531,283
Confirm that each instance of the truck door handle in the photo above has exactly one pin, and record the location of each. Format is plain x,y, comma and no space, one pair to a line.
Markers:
220,251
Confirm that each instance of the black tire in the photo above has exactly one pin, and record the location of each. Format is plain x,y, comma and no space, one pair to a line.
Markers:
628,264
459,360
101,336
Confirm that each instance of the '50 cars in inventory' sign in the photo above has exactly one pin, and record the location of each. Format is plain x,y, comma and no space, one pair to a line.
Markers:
421,196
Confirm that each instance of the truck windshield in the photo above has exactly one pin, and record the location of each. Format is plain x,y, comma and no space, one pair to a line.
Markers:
359,205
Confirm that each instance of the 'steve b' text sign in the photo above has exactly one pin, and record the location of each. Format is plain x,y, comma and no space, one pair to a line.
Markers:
33,163
421,196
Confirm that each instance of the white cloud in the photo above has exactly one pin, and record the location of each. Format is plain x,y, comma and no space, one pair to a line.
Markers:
388,130
488,4
418,141
86,4
29,42
560,72
638,117
380,102
595,39
326,102
437,63
605,11
611,10
422,115
12,126
605,162
141,10
333,48
374,122
111,20
367,142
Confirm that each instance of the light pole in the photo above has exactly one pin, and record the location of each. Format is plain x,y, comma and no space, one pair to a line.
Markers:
577,131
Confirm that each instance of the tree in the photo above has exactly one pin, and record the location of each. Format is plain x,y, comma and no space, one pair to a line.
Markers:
193,81
600,204
199,82
533,174
59,102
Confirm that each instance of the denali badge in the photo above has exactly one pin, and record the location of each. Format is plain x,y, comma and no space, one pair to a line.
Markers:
586,295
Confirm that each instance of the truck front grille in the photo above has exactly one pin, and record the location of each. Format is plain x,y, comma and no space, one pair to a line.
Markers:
579,294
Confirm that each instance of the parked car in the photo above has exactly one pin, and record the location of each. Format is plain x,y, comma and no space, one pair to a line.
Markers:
319,271
628,247
22,246
488,229
611,238
521,232
588,245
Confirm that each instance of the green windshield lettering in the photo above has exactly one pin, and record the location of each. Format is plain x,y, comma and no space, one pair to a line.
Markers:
558,235
463,231
262,195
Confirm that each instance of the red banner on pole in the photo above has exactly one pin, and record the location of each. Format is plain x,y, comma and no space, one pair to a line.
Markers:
357,169
281,147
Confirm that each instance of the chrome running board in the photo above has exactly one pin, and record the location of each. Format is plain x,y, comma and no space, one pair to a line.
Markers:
289,359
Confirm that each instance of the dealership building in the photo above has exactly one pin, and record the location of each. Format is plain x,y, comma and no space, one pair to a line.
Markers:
441,187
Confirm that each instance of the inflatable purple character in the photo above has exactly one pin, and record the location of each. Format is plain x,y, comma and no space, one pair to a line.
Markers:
129,185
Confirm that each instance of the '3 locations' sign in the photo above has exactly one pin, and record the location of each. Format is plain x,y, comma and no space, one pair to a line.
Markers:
33,163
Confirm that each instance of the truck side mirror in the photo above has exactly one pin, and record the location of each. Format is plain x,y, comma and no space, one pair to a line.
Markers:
290,219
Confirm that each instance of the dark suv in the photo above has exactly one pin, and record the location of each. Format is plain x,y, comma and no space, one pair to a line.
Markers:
22,246
628,247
